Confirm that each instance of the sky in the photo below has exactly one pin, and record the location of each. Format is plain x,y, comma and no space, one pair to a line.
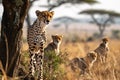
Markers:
72,11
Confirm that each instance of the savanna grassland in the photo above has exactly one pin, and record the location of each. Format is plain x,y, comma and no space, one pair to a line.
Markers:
78,48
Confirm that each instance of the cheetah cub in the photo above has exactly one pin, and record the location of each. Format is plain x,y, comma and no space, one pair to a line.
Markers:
83,64
55,44
102,50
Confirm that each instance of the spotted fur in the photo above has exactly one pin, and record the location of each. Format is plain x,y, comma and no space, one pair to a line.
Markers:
36,39
83,64
102,50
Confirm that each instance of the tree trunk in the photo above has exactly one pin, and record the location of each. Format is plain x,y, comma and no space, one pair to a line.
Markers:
11,33
101,29
28,20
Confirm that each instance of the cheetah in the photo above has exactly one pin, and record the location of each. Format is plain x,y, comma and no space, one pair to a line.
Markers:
54,45
83,64
36,40
102,50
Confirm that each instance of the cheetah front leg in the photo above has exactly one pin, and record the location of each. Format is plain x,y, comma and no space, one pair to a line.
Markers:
32,64
39,66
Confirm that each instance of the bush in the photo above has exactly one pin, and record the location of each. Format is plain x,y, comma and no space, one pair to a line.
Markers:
52,69
116,34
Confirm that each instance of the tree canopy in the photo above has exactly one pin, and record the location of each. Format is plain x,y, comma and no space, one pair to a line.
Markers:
57,3
100,11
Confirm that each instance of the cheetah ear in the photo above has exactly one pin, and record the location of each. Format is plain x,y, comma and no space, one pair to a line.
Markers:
52,12
37,12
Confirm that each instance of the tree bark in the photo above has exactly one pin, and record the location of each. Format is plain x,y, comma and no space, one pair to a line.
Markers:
11,33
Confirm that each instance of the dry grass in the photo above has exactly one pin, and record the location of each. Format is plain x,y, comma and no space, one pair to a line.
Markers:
108,71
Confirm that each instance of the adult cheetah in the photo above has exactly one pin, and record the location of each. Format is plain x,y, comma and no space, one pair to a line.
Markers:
83,64
36,39
54,46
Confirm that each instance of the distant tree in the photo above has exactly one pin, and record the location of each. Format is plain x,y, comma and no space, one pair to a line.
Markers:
11,33
51,4
104,20
116,34
66,21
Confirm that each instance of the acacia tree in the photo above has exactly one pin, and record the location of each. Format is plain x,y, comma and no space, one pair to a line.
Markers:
11,33
104,20
66,21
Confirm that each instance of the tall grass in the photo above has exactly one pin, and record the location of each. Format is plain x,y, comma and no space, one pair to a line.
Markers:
100,71
59,69
107,71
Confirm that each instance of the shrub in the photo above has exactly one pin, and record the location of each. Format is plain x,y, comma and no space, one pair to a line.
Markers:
116,34
52,69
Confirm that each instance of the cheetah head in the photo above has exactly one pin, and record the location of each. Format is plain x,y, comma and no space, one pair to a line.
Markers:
57,38
92,56
44,16
105,40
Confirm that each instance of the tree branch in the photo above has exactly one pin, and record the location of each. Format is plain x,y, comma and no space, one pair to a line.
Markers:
59,4
95,20
106,21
